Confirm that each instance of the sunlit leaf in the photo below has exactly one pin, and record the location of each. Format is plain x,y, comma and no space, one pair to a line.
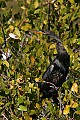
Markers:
74,104
26,27
6,63
37,79
14,117
1,40
31,85
45,22
23,7
11,28
52,46
28,1
1,103
71,1
36,4
37,106
43,118
66,110
7,91
32,112
1,108
74,87
17,32
20,118
32,59
61,1
22,108
77,112
20,100
37,11
26,116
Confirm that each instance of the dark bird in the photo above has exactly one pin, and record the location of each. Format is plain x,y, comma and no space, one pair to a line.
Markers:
56,73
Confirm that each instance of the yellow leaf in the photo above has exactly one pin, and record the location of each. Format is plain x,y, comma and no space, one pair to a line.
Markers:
32,59
20,118
66,110
1,40
23,7
28,1
32,112
6,63
52,46
36,11
61,1
31,85
37,106
43,103
26,116
77,112
64,99
26,27
71,1
74,87
0,67
36,79
36,4
17,32
45,22
74,104
11,28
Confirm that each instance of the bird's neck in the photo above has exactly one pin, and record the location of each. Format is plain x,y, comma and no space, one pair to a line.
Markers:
64,59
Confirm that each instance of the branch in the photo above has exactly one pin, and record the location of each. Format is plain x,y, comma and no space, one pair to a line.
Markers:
75,95
4,116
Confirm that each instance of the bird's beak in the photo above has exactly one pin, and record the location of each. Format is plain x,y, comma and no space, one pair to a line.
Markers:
37,32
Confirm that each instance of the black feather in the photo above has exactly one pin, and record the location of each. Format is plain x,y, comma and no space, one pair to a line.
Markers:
56,72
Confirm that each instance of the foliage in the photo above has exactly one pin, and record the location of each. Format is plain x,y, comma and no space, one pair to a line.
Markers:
24,58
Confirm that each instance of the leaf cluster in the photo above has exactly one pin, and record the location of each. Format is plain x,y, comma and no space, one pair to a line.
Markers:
24,56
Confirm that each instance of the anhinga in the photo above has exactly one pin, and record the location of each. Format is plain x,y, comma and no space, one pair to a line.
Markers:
56,73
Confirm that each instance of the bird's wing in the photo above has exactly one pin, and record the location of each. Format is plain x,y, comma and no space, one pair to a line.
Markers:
55,73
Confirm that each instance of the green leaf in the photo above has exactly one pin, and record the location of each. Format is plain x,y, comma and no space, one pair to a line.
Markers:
32,112
22,108
26,27
71,1
6,63
17,32
1,108
7,91
31,85
21,100
36,4
1,103
77,112
37,11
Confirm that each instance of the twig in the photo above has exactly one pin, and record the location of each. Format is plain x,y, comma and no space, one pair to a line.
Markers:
75,95
4,36
4,116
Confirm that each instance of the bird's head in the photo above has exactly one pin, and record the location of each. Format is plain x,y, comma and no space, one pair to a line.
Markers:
62,55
